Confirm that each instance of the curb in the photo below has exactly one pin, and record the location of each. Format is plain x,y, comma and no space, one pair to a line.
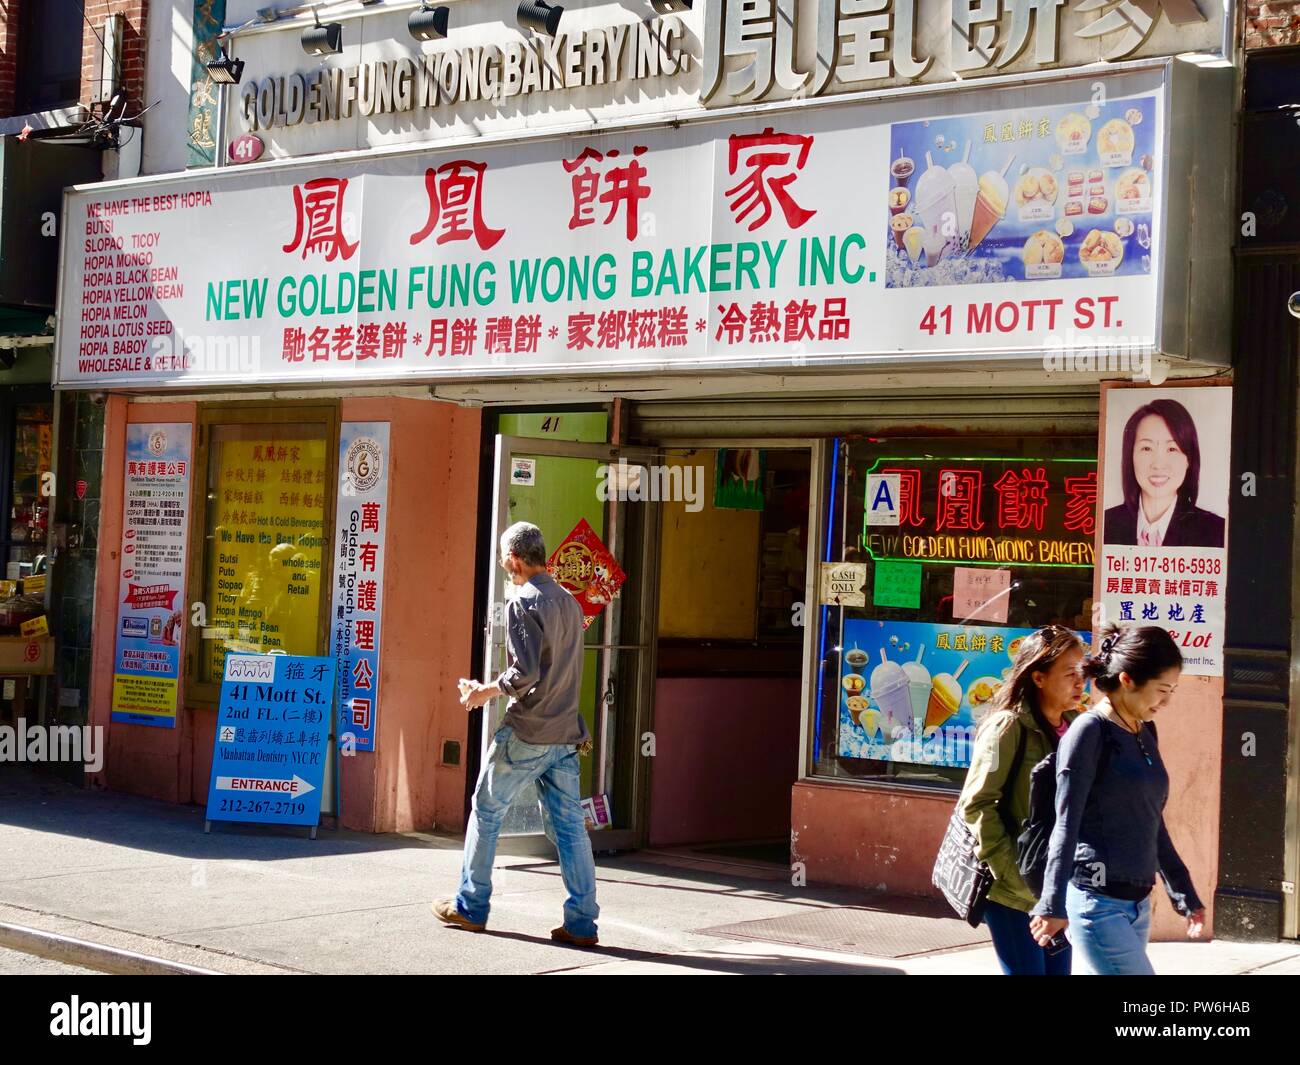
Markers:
90,955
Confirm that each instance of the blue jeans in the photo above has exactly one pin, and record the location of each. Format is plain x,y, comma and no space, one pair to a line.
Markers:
1110,935
510,766
1018,953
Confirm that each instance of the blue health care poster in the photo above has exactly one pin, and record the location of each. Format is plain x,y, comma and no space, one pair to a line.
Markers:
1026,194
268,760
151,581
916,691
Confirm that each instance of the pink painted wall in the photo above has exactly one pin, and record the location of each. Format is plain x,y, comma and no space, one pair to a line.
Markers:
726,754
877,838
141,759
427,628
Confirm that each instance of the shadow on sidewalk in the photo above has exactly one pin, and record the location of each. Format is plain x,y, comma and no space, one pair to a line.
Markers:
42,802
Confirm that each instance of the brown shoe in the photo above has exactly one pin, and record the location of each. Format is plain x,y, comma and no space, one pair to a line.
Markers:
563,935
445,910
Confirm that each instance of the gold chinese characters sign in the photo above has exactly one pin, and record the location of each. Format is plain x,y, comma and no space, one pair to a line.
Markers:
757,50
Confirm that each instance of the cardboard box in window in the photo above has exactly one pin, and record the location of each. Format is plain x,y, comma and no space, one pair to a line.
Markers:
26,655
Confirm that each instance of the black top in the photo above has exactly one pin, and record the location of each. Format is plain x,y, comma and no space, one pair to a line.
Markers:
1110,834
1189,527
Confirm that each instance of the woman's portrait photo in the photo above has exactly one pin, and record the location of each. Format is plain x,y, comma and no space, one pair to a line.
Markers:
1166,499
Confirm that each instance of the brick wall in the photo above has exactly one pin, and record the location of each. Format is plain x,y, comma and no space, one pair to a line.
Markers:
1271,22
133,46
8,54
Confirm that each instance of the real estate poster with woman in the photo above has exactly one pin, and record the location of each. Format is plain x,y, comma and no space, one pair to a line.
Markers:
1165,520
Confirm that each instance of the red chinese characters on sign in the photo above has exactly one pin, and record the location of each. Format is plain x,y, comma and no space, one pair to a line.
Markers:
1022,499
150,596
614,329
455,192
959,500
766,323
343,343
1081,504
773,161
318,207
909,496
583,566
625,187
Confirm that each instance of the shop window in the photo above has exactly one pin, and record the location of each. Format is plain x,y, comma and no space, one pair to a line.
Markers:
29,510
967,544
263,571
49,65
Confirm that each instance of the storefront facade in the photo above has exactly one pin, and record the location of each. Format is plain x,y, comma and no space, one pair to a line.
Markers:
761,339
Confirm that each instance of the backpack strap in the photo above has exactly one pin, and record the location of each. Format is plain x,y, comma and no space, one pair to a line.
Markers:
1016,763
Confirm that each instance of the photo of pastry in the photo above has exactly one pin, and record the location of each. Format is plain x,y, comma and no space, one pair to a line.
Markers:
1043,254
1115,143
1072,133
1101,251
1133,191
1124,227
1098,205
1074,207
1036,191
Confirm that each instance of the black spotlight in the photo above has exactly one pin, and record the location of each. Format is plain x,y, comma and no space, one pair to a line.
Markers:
224,70
323,40
428,23
540,17
669,6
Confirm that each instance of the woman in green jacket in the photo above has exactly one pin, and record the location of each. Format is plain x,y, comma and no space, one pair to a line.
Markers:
1034,706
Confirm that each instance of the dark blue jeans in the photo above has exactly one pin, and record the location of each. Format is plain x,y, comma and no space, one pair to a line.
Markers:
1018,954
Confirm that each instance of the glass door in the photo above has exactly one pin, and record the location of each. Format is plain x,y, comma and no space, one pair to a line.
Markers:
558,486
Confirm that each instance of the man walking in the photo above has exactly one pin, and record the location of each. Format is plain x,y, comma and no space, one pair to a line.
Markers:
538,741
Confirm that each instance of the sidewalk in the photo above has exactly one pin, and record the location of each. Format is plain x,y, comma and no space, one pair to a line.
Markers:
141,876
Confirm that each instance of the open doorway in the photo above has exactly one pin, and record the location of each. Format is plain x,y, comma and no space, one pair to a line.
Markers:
733,565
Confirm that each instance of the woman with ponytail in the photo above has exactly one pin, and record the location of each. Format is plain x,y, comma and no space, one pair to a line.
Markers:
1110,838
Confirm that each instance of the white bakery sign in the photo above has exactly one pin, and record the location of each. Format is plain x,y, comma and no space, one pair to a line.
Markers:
833,237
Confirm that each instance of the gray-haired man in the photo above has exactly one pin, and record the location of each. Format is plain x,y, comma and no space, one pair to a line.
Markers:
538,741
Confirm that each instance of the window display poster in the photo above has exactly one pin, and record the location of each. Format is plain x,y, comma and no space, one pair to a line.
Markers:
1029,194
1165,521
151,585
916,691
268,519
360,533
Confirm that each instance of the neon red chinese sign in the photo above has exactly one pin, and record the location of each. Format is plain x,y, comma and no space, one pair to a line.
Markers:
987,511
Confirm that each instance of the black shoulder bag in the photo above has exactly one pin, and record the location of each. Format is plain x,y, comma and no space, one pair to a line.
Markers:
959,873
